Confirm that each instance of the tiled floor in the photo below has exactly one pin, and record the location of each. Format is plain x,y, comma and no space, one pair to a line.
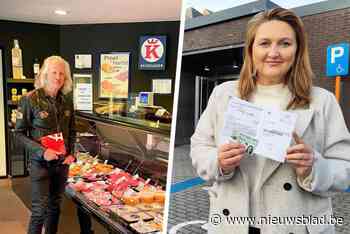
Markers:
193,204
14,216
188,205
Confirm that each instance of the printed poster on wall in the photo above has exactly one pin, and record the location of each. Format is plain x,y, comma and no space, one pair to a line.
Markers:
114,75
152,53
82,92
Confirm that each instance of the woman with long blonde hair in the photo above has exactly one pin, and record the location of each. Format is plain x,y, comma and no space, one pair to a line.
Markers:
256,194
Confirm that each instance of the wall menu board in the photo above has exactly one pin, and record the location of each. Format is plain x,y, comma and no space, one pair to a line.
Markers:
114,75
83,92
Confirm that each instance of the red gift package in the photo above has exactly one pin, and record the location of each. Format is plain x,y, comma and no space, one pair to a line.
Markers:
55,142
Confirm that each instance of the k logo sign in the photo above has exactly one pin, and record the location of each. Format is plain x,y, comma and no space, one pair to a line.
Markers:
152,50
152,53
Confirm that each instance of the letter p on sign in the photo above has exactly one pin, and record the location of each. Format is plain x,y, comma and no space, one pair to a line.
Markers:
336,52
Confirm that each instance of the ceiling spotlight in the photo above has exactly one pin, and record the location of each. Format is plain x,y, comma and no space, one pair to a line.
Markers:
206,68
60,12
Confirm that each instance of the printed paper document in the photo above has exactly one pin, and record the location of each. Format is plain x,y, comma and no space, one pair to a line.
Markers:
265,132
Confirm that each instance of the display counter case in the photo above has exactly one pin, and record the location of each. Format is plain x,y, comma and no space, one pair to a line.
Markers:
138,148
94,211
142,124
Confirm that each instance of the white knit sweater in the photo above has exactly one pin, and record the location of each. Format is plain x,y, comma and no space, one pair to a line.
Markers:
269,96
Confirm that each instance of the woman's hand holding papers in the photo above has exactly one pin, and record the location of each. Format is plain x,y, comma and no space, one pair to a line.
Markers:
301,156
230,156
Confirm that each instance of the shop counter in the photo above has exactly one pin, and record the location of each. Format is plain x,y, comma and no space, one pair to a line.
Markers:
137,146
94,211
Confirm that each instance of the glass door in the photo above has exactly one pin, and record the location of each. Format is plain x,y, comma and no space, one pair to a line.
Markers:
204,88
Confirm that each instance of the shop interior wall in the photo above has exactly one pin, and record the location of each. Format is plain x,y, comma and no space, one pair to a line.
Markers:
95,39
35,40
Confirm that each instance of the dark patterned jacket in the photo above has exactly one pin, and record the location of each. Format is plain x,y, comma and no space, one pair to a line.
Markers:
39,115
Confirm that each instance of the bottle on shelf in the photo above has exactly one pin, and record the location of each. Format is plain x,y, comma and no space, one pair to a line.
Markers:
14,94
36,67
17,65
24,92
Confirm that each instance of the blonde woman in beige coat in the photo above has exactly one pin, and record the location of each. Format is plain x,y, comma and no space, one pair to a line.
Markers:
292,197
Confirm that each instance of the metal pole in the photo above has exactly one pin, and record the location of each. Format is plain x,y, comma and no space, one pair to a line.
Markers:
337,87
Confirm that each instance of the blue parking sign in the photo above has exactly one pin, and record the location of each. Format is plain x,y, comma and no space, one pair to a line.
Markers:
338,59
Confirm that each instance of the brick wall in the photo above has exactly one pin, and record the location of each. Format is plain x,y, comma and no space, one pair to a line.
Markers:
324,29
217,35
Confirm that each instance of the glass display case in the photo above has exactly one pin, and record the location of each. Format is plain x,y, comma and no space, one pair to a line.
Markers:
139,106
138,145
120,176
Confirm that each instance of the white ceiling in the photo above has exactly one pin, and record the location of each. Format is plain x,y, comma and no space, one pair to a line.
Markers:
90,11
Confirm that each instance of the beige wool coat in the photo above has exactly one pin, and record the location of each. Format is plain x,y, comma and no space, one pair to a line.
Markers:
282,194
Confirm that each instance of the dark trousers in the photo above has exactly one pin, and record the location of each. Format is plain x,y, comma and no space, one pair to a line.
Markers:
84,221
48,184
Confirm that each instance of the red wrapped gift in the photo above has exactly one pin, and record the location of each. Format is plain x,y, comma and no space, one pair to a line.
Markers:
55,142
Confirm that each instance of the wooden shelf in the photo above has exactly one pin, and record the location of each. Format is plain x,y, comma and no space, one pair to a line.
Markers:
21,81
